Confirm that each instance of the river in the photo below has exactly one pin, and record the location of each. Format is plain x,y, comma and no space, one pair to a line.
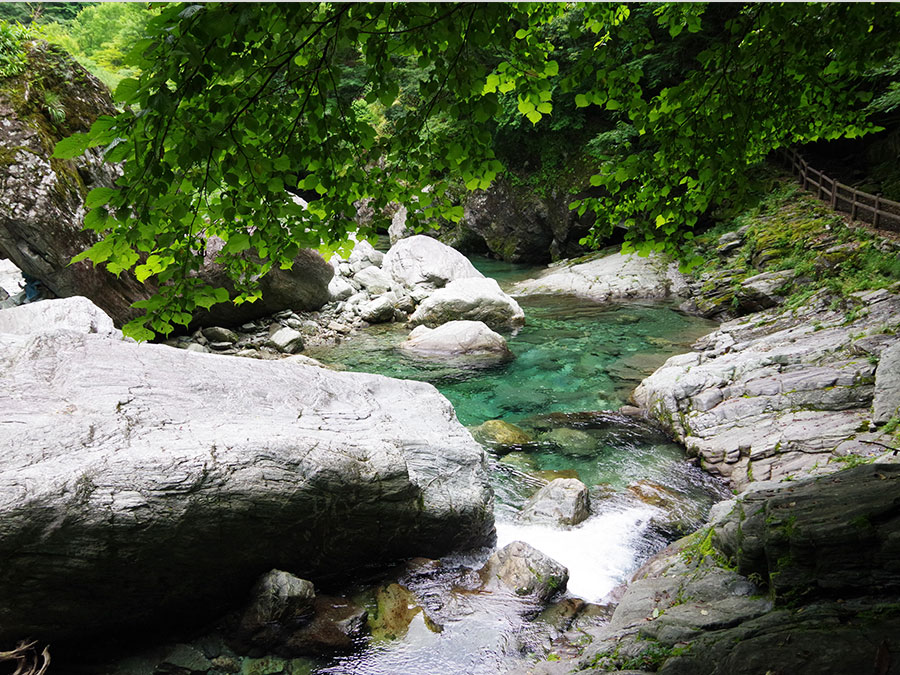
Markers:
572,356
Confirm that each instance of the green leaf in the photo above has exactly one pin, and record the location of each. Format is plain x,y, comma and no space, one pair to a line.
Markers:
71,147
534,116
136,330
96,219
99,196
545,107
98,253
127,89
581,101
237,242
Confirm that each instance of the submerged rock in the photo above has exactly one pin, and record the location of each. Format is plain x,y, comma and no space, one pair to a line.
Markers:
473,299
572,441
563,501
458,338
338,624
396,608
498,432
525,571
132,465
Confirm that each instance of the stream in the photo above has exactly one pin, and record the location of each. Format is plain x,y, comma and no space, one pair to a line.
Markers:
572,357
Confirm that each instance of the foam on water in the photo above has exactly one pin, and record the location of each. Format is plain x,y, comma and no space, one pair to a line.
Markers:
600,553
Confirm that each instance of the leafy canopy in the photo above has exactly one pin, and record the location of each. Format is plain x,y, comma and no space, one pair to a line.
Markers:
240,107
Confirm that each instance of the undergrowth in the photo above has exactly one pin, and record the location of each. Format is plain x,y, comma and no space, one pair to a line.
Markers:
791,230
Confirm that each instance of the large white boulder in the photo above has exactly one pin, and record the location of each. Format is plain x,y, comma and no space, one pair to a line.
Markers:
76,313
473,299
140,482
423,261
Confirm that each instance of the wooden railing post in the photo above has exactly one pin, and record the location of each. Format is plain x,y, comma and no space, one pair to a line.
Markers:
875,213
833,194
853,203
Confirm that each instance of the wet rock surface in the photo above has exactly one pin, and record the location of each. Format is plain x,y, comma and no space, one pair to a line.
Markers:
525,571
562,502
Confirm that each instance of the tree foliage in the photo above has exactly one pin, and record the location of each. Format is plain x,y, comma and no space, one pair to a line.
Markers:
239,107
100,35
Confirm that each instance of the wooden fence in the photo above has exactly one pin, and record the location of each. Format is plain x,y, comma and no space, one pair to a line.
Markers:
881,213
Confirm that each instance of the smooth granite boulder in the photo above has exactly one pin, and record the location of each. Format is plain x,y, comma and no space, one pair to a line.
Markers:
457,338
140,482
608,276
475,299
426,262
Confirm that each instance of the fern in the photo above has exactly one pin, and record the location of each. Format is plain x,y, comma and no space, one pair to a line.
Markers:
55,108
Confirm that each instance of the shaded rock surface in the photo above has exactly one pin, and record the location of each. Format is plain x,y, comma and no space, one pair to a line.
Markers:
457,338
512,223
606,276
778,393
525,571
518,225
130,465
280,603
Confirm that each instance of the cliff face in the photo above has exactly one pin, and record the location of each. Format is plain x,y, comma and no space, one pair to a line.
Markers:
42,198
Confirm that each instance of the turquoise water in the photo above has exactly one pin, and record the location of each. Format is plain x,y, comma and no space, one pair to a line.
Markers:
575,357
570,356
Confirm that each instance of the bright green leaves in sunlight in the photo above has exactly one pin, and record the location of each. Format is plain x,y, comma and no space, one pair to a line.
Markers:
708,90
237,110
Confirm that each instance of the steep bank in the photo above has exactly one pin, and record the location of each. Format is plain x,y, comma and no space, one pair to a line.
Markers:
797,573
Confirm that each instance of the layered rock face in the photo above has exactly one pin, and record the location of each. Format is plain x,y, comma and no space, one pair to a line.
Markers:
42,199
780,393
140,482
609,276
